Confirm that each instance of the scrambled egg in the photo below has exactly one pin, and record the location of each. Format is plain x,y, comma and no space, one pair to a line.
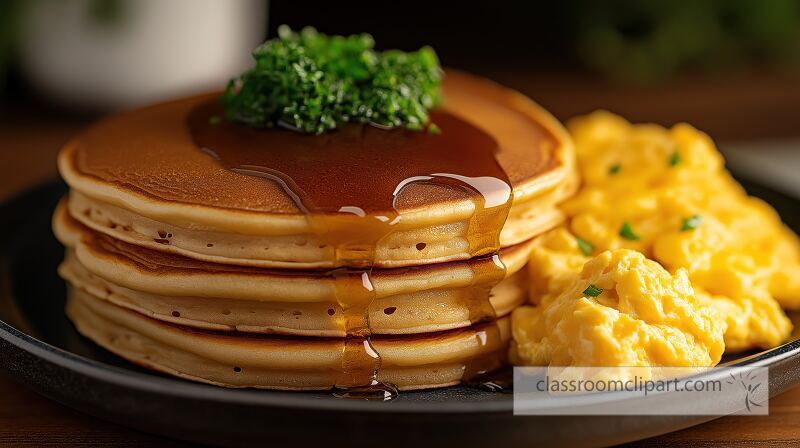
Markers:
666,194
621,310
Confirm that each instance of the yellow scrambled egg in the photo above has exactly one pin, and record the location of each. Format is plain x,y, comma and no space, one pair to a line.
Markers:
620,310
666,194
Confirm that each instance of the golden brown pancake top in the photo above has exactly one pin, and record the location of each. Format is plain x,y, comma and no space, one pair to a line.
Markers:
151,151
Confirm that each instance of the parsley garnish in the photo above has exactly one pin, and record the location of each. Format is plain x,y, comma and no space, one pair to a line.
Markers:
313,83
626,231
675,158
614,169
592,290
585,246
691,223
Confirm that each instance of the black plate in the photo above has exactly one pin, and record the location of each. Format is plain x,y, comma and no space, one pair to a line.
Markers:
40,348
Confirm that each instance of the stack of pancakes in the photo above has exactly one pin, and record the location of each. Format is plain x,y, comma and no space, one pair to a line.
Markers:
184,259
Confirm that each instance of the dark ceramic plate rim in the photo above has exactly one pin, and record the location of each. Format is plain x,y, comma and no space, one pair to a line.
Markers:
184,389
280,399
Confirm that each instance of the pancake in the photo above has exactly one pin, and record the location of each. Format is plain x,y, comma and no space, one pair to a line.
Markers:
226,298
286,363
362,259
140,177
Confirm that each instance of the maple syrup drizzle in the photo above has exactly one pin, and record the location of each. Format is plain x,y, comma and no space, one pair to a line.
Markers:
349,184
489,372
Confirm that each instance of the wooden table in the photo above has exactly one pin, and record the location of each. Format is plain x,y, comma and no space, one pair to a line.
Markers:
29,141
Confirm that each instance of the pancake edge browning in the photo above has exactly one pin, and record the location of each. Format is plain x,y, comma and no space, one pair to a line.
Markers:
441,244
248,361
74,234
235,298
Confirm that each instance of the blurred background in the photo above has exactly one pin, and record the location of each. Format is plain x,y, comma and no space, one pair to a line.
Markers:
730,67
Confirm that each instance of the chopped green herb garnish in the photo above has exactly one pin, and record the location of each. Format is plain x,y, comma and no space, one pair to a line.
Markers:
433,129
675,158
585,246
592,290
614,169
691,223
215,119
313,83
626,231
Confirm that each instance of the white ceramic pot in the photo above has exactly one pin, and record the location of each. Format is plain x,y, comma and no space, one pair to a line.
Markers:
139,52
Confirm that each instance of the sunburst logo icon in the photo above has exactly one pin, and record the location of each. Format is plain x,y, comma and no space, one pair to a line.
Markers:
749,384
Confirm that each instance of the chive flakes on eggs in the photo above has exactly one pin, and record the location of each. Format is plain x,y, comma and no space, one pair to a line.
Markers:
675,158
614,169
586,247
626,231
691,223
592,290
